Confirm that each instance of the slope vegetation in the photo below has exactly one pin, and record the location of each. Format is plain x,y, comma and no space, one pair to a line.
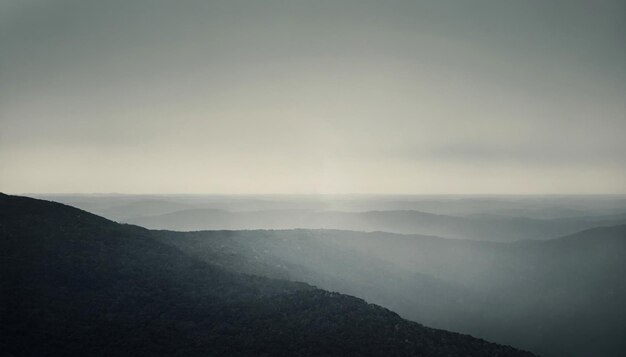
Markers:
561,297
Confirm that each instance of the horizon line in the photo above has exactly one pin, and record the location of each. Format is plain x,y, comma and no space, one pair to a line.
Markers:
310,194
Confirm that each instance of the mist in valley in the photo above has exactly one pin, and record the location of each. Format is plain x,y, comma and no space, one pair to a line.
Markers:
493,218
550,280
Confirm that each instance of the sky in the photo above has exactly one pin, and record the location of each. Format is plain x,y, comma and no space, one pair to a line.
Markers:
313,96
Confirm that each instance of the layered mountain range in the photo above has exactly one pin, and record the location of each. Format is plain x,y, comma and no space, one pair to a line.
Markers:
559,295
77,284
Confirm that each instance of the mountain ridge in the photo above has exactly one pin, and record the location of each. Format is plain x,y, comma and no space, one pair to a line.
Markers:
75,283
482,227
515,293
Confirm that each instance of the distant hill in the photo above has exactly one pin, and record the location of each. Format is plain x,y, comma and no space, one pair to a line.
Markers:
121,207
476,227
125,207
561,297
75,284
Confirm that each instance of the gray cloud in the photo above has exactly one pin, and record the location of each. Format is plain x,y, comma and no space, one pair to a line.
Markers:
312,96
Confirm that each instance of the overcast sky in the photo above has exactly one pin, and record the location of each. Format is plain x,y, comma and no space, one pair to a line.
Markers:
319,96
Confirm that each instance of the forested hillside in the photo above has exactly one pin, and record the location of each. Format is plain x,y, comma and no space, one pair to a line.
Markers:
76,284
545,296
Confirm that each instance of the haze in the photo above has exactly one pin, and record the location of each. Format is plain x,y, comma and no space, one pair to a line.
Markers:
313,96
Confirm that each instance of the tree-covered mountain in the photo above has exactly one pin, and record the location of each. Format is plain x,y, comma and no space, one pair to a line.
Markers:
560,297
73,283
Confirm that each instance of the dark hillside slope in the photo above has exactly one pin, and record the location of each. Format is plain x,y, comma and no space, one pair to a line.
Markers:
76,284
561,297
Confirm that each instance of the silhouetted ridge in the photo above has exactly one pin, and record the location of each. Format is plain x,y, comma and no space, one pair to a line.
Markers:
597,233
77,284
488,227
